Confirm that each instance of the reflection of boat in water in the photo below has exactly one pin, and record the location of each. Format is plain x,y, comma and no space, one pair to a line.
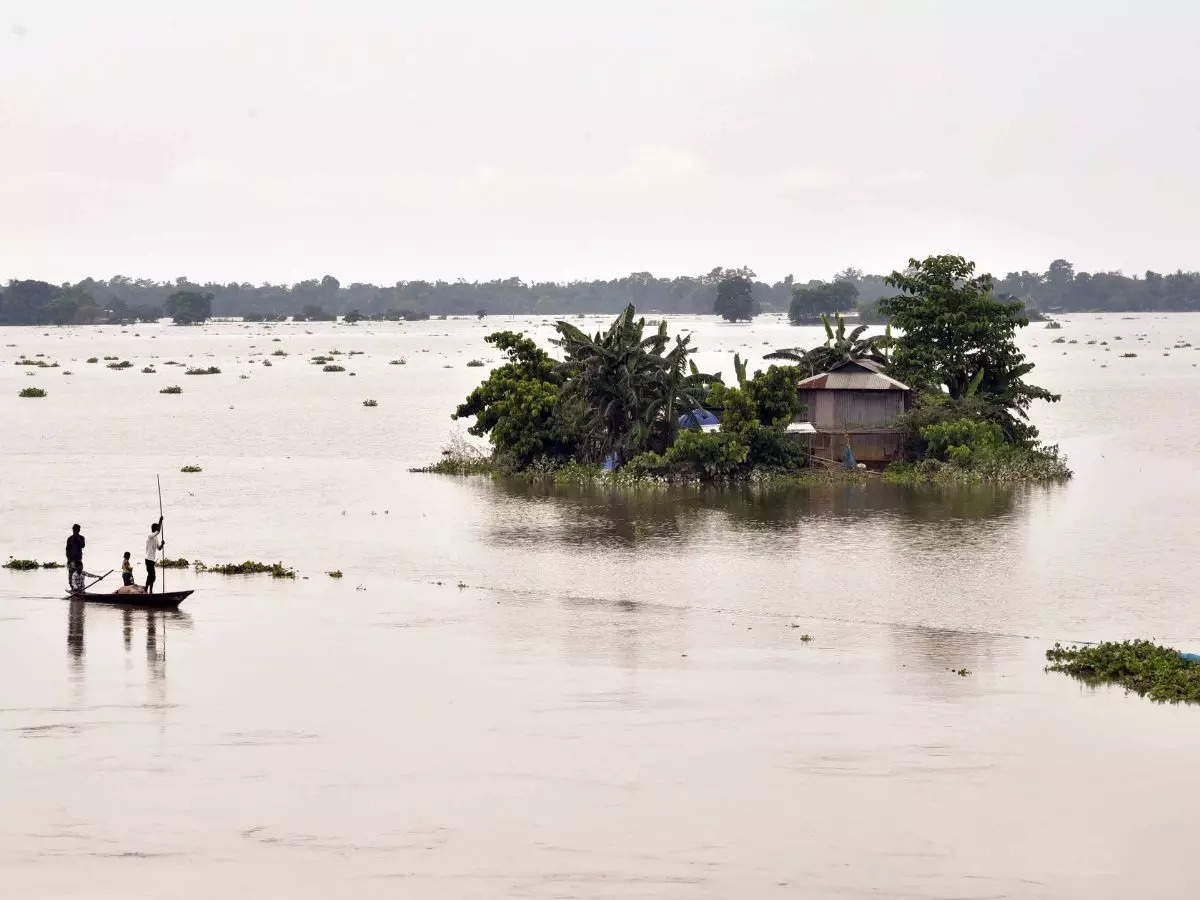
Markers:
163,600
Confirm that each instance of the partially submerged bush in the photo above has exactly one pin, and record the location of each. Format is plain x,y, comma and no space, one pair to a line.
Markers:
708,455
211,370
1142,667
179,563
171,389
191,469
31,392
21,565
370,403
123,364
333,368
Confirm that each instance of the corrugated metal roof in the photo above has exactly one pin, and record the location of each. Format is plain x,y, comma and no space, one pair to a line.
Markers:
856,379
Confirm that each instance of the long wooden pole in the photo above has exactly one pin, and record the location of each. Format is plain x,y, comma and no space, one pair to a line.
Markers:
161,539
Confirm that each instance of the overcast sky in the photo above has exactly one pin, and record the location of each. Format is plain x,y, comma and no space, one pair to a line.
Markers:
381,141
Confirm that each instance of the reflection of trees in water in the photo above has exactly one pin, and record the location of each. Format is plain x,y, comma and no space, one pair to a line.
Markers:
589,513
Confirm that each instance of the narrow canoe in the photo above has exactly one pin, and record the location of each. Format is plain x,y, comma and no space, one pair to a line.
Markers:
162,600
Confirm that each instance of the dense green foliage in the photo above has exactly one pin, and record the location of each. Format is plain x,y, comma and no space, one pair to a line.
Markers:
249,567
188,307
516,407
958,336
618,396
1145,668
31,392
21,565
735,296
818,298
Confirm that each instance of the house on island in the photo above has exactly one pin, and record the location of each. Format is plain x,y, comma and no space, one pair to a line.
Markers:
854,403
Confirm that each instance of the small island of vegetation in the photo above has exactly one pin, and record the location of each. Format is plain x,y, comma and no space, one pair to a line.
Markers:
632,405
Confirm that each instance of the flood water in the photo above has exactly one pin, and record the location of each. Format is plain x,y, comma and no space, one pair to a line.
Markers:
521,691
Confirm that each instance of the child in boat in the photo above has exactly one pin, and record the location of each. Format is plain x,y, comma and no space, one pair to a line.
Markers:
127,570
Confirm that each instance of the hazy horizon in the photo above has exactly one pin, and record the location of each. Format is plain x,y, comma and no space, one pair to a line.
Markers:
278,143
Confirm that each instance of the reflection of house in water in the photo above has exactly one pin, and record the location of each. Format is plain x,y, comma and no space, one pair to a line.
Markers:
855,403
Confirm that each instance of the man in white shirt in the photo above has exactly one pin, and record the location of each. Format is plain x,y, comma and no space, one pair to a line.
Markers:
153,544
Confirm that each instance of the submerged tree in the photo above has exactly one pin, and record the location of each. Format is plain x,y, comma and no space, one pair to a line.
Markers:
957,336
818,298
189,307
735,296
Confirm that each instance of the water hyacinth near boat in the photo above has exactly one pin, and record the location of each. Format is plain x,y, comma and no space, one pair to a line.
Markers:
1161,673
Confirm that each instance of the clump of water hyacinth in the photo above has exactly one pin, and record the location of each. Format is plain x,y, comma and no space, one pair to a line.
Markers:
191,469
370,403
171,389
211,370
1140,666
31,392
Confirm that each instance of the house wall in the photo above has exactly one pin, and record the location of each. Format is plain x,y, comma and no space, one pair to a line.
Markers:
850,409
875,448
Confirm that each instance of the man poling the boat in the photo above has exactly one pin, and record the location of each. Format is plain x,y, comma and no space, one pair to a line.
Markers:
75,545
154,543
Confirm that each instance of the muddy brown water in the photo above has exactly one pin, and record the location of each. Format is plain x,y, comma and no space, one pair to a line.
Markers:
522,691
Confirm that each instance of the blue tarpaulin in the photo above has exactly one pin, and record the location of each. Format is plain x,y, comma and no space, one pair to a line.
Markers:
698,418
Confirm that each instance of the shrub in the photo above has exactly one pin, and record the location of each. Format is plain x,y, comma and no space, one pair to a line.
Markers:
474,363
959,440
211,370
31,392
52,565
702,454
191,469
171,389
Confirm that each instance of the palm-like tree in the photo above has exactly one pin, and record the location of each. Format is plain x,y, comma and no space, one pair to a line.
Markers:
839,347
628,388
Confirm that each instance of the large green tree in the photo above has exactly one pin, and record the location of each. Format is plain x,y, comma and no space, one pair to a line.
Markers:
811,301
189,307
958,337
735,296
516,407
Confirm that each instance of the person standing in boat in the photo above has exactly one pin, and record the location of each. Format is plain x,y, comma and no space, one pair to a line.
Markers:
153,544
75,559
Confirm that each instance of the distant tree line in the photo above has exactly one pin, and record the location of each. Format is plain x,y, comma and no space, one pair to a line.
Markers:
122,299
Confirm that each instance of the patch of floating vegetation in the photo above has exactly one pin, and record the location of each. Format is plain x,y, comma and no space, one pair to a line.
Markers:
398,362
36,363
333,368
474,363
1128,355
123,364
22,565
336,573
92,359
249,567
148,370
279,352
191,469
211,370
180,563
171,389
370,403
111,357
1141,667
31,392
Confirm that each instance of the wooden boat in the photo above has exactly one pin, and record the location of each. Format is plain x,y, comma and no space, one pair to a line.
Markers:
161,600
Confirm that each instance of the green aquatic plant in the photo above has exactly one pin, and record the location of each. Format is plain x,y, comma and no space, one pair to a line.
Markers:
474,363
179,563
37,363
171,389
52,565
333,368
398,362
148,370
123,364
112,357
336,573
21,565
31,392
249,567
92,359
370,403
1139,666
211,370
280,352
191,469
